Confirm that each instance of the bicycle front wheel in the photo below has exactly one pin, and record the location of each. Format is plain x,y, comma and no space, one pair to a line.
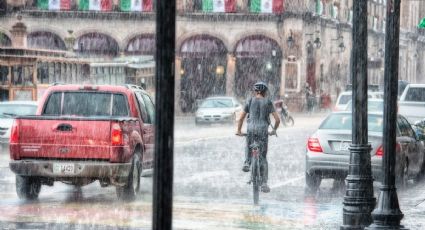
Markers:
256,192
256,181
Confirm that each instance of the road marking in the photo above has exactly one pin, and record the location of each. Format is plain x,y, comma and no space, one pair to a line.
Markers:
286,182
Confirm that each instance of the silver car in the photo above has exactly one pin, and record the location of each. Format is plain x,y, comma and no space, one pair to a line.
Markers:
218,110
8,111
327,153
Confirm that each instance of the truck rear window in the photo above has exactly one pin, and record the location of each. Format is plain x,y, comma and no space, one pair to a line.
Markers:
86,104
415,94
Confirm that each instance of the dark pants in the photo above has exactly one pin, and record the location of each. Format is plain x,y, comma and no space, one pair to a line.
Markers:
262,141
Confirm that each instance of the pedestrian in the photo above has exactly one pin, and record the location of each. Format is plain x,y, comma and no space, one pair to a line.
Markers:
258,109
309,98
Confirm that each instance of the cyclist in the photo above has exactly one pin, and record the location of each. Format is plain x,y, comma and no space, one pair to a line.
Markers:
258,109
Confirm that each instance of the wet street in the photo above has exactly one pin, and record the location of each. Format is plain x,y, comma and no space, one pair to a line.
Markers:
210,190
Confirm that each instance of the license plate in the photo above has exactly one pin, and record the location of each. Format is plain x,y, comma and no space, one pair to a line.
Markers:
343,146
60,168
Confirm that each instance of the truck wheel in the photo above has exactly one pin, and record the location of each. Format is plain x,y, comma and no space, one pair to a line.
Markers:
132,186
27,187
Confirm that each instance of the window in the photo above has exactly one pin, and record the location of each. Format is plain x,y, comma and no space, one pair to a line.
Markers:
142,108
149,107
119,105
415,94
53,105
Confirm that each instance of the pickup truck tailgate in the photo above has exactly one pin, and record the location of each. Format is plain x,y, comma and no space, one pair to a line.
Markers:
67,138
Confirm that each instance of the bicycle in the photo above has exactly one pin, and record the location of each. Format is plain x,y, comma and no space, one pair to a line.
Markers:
256,161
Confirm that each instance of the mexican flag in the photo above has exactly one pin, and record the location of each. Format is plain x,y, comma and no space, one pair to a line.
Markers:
136,5
54,4
95,5
319,7
422,24
226,6
267,6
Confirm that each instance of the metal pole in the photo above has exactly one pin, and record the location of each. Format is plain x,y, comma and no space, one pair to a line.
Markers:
387,214
358,200
164,119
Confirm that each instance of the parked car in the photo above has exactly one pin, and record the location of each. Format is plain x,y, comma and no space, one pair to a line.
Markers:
218,110
373,105
345,97
412,102
8,111
327,153
82,134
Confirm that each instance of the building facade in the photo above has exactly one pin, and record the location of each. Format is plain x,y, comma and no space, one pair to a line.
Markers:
224,48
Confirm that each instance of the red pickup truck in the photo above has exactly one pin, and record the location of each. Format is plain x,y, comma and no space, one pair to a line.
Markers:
84,133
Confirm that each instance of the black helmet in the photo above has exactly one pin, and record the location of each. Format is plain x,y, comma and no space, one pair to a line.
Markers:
260,86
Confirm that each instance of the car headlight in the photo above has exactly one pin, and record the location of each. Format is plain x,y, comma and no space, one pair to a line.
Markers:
199,113
227,113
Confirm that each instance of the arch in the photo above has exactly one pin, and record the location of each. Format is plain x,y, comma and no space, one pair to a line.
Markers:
203,45
257,46
94,43
45,40
182,38
5,40
142,44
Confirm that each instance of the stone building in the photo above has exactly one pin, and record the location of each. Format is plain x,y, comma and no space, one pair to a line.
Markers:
289,44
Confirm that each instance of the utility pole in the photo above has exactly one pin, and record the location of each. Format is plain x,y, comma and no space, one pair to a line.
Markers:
358,200
164,117
387,214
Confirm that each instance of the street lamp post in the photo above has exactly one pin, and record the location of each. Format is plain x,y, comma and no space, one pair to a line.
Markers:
359,200
164,115
387,214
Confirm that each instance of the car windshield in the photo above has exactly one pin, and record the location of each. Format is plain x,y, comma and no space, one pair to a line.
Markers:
344,99
343,121
217,103
12,110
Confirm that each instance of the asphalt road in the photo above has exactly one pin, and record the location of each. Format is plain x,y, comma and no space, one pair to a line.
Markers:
210,189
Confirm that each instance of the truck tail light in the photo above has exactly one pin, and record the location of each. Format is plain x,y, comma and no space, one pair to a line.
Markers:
14,133
116,135
313,145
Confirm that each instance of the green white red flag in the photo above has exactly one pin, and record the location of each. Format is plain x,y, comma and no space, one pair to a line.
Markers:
136,5
54,4
267,6
95,5
221,6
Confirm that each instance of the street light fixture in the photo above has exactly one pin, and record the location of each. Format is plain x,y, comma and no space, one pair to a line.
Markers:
317,43
290,41
341,47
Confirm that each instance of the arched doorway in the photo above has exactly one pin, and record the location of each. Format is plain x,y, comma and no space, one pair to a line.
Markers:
141,49
96,44
257,58
203,70
45,40
143,44
5,40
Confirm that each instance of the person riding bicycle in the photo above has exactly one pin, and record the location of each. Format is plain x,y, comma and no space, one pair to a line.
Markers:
258,109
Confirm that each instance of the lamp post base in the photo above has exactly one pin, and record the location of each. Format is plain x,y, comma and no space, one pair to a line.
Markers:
387,214
358,200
